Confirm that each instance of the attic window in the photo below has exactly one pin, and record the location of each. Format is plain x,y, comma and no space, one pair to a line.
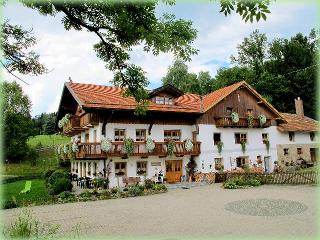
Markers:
164,100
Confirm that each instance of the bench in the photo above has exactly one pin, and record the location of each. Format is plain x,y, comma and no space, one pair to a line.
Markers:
130,180
27,187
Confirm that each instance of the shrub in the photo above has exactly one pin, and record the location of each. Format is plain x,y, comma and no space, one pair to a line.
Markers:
85,194
105,195
57,175
66,195
114,190
98,182
9,204
239,182
135,191
159,187
148,183
46,175
61,185
230,184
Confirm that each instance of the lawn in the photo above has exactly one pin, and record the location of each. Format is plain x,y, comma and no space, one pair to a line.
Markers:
38,190
48,140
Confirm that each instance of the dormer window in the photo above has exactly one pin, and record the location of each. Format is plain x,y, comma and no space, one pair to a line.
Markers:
164,100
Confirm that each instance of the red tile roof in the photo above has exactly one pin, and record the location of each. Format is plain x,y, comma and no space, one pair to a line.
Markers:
296,123
99,96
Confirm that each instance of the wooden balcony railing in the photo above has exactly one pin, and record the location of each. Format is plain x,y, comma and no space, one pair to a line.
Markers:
89,120
73,126
243,122
93,150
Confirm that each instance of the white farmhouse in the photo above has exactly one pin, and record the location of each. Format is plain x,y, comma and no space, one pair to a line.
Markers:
225,129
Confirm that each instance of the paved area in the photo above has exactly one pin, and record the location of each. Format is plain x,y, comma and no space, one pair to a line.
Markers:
195,212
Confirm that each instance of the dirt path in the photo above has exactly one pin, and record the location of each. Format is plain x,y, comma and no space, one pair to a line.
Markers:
192,212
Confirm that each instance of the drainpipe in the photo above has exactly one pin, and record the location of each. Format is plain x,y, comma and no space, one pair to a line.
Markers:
201,105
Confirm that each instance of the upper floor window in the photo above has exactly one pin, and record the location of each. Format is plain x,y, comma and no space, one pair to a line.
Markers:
291,136
240,137
172,135
216,138
164,100
249,111
229,110
140,135
285,151
119,134
312,136
299,151
265,137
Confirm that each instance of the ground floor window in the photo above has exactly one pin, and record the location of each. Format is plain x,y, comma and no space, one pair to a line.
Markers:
89,168
95,169
285,151
299,151
218,164
141,168
120,168
241,161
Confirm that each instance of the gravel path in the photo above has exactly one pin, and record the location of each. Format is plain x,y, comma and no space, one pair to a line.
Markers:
192,212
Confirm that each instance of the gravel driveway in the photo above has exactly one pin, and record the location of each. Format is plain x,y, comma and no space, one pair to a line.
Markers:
191,212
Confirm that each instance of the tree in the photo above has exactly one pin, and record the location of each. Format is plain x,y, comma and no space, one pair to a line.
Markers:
16,119
179,76
17,56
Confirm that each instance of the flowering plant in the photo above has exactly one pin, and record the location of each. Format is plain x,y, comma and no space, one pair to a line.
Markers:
128,146
75,147
170,147
250,120
150,145
262,119
62,122
106,144
234,117
65,148
188,145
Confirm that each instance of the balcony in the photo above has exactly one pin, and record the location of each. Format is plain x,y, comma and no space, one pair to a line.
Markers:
93,150
73,126
243,122
89,120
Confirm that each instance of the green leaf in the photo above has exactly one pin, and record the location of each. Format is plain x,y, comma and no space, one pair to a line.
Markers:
263,16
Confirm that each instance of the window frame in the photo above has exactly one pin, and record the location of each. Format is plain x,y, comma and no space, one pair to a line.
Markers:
216,163
291,136
121,168
140,130
171,137
286,151
312,136
214,141
146,168
241,137
299,151
119,138
263,137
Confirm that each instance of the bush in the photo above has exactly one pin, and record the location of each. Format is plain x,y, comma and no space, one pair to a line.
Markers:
61,185
230,184
9,204
159,187
105,195
135,191
114,190
66,195
239,182
46,175
148,183
56,175
32,156
85,194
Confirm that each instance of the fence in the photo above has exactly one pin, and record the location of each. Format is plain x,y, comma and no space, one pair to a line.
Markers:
308,177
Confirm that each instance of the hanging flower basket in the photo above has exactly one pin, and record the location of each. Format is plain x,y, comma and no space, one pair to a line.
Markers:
75,147
170,147
250,120
262,119
63,121
188,145
106,144
66,149
128,146
150,145
234,117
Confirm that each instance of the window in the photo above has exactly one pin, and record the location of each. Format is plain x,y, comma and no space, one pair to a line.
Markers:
120,168
265,137
312,136
141,168
299,151
172,135
229,110
87,137
216,138
286,151
140,135
119,134
164,100
218,164
249,111
241,161
240,137
291,136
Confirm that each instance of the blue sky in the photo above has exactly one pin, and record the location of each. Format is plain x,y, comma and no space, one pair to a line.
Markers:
70,53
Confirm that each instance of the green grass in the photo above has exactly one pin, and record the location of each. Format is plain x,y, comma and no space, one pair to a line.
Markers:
48,140
38,190
314,168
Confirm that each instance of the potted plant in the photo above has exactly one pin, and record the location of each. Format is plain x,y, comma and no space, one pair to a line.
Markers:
170,147
219,147
262,119
191,168
128,146
234,117
243,146
250,120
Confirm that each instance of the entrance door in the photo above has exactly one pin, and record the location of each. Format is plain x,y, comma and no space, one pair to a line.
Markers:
173,170
267,164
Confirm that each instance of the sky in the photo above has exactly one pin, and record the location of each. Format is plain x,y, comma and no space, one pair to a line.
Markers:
70,53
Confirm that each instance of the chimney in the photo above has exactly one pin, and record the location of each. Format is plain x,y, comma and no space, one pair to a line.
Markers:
299,107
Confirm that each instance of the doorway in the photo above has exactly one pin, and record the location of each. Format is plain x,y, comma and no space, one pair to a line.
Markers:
267,164
173,170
